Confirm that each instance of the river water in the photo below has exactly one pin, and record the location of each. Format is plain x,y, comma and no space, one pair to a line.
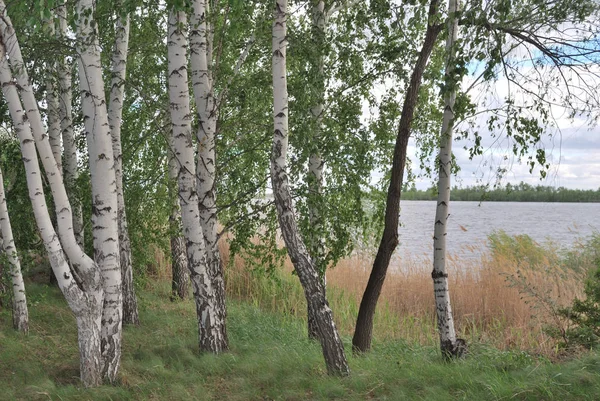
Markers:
470,223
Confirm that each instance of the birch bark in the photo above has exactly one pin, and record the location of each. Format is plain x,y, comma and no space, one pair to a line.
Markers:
315,161
70,171
333,349
115,113
209,325
179,266
200,43
84,294
7,245
104,188
448,341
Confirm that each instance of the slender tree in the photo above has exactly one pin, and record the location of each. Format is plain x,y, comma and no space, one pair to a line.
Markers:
361,342
19,299
115,112
333,348
450,345
70,169
206,110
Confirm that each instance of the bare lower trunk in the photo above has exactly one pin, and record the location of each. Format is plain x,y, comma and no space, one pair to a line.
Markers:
180,280
115,112
361,342
331,344
206,163
210,326
7,245
88,336
449,344
104,191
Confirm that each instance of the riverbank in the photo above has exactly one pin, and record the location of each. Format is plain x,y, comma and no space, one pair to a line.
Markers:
270,359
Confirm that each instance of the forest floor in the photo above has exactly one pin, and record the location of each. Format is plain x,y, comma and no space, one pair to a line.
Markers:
270,359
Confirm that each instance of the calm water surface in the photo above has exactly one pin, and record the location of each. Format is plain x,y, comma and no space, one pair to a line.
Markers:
471,222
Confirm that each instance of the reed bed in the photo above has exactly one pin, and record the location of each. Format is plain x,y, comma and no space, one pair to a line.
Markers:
504,298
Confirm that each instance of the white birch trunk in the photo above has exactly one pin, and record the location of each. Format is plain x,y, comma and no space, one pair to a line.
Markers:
115,113
70,171
7,245
315,161
333,349
179,266
209,325
84,296
200,43
104,188
52,98
448,341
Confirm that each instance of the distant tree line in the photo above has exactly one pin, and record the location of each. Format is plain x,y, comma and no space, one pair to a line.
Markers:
521,192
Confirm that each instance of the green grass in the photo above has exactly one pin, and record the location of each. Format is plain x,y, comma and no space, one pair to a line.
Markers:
270,359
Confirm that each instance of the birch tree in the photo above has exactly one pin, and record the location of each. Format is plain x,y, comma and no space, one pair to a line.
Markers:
104,187
82,286
333,349
210,326
450,345
70,170
115,112
20,313
206,108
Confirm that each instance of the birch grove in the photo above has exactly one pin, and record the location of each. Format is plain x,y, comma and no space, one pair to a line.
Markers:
82,286
314,291
7,248
115,113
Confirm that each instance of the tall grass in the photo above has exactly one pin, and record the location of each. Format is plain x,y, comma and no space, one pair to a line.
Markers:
505,298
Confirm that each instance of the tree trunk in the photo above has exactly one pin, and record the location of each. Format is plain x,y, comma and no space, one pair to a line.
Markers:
179,266
209,325
361,342
115,112
104,190
205,167
7,245
448,341
333,348
84,294
66,125
315,161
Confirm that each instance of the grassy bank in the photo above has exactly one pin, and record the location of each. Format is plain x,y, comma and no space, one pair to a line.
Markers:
270,359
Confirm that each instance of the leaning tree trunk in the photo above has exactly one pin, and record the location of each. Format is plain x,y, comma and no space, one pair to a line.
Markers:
315,161
179,266
84,292
210,326
115,113
104,190
333,348
450,345
361,342
66,125
206,164
7,245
